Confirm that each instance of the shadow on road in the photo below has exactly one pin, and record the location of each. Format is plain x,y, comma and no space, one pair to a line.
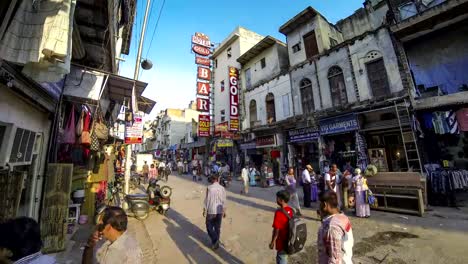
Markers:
188,236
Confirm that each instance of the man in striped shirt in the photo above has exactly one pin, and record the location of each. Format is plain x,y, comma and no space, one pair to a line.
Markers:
215,210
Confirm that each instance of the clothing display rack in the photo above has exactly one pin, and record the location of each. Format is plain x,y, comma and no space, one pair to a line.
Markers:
444,183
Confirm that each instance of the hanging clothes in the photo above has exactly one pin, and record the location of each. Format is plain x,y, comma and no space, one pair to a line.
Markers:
361,147
450,117
439,121
427,120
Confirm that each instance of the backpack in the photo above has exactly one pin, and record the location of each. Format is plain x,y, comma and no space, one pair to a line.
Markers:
297,233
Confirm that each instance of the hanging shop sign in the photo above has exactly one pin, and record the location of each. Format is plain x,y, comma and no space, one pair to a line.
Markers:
204,125
224,143
303,135
339,124
200,50
201,39
234,98
203,88
204,73
264,141
203,105
248,145
202,61
222,127
134,132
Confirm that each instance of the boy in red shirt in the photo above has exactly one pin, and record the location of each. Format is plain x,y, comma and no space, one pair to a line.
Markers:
279,238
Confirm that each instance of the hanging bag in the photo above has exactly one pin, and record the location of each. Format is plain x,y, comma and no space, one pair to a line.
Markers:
79,125
69,133
85,138
101,130
95,146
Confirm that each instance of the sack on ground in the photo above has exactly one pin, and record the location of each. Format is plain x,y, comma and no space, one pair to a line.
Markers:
297,235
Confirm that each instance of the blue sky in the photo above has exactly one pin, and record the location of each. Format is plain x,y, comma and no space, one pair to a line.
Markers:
171,81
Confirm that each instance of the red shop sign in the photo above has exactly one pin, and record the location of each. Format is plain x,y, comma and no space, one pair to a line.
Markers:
204,73
203,105
202,61
203,88
201,39
200,50
265,141
234,98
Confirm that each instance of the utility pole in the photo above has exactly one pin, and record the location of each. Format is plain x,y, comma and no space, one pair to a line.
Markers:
128,158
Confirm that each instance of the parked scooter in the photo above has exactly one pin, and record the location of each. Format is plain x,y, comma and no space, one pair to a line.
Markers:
159,197
225,179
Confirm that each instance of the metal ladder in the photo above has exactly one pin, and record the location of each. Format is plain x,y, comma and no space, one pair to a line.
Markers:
413,159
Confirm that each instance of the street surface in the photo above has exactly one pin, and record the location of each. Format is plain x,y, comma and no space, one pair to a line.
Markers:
246,231
180,237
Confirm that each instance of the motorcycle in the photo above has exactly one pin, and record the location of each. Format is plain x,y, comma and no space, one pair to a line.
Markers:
225,179
159,197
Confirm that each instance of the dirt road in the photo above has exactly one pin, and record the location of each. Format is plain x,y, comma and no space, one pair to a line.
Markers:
385,238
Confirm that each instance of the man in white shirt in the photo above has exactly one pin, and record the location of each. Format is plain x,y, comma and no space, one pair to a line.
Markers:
214,210
306,185
332,181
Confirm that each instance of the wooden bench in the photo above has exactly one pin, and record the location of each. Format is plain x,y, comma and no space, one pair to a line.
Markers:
402,192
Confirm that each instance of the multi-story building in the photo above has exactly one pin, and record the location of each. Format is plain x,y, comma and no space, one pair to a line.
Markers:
225,56
266,100
432,38
347,91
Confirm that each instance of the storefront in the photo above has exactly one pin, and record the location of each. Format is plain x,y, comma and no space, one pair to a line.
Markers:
383,136
444,140
338,140
303,147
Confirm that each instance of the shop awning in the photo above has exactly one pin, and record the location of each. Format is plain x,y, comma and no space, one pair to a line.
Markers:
87,83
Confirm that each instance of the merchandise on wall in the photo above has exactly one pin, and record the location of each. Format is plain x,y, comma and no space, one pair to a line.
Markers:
304,147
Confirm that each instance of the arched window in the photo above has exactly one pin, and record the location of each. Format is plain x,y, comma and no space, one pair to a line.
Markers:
337,86
270,108
307,98
253,112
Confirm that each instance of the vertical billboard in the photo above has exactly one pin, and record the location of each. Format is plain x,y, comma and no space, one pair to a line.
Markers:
204,125
234,99
201,46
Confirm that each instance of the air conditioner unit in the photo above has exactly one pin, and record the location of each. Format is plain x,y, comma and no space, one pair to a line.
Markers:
23,147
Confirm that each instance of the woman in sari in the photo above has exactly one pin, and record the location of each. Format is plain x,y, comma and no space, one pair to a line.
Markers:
360,188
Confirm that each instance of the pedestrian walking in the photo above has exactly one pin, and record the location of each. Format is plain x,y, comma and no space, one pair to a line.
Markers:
291,183
21,238
162,169
279,237
180,167
145,172
335,236
252,175
120,246
306,185
214,210
332,180
245,180
360,189
194,170
153,172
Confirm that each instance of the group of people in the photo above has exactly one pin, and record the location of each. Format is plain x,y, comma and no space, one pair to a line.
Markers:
335,236
159,170
350,186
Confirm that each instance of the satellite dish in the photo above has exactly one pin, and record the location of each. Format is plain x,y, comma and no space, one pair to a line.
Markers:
146,64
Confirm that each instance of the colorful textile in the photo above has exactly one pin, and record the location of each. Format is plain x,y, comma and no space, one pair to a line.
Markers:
450,117
462,119
361,147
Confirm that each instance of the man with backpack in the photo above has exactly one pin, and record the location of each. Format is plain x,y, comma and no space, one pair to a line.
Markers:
289,232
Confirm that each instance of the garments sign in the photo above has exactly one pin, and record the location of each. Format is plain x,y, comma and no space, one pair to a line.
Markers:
203,125
224,143
265,141
134,132
201,39
202,61
203,88
204,73
234,98
339,124
203,105
303,135
248,145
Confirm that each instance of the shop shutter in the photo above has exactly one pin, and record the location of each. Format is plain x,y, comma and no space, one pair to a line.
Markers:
11,184
56,198
23,145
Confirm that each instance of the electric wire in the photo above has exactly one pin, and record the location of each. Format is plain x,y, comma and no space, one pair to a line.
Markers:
155,27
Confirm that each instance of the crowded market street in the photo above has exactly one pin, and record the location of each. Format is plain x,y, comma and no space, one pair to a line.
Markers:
384,238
